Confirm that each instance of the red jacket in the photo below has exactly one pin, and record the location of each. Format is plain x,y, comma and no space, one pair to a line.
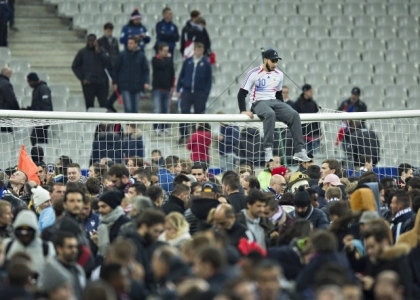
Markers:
199,143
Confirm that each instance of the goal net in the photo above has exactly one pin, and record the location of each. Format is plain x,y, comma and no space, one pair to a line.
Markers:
390,138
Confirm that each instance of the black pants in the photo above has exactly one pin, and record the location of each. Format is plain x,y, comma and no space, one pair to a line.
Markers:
12,7
39,135
197,100
111,101
100,91
3,35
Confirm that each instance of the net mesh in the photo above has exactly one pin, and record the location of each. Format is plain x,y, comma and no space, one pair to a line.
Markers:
389,141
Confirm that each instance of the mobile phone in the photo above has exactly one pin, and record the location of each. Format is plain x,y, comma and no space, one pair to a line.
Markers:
50,169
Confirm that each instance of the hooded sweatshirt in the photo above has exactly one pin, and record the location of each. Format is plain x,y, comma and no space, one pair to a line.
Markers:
35,248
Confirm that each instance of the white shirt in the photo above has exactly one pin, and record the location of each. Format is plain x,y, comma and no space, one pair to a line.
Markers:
262,85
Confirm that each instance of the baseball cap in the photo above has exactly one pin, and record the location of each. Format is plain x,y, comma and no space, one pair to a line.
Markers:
210,187
271,54
355,91
333,179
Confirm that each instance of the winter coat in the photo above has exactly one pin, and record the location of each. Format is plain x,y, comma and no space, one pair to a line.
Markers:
237,232
192,220
166,180
289,259
230,140
413,258
348,106
41,98
362,142
92,223
199,143
308,106
89,65
173,204
348,225
131,71
264,178
321,196
176,242
266,225
237,200
166,32
195,77
398,222
35,249
251,147
412,236
6,13
8,99
115,228
111,48
195,33
46,218
316,216
132,145
106,144
131,30
163,73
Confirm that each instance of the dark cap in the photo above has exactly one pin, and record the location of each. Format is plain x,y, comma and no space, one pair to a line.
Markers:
306,87
210,187
355,91
271,54
32,77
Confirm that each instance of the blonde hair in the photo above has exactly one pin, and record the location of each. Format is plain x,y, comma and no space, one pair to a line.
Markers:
178,222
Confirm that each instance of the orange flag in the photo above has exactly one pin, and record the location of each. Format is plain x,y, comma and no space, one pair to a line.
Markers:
26,165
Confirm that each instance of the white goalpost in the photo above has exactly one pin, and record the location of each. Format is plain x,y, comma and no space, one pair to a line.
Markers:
73,134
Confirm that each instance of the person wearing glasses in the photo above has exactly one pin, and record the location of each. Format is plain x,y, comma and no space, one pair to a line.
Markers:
277,186
264,84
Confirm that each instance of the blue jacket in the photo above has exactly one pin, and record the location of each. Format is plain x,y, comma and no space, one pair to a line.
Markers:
166,180
167,32
5,13
130,30
106,144
131,71
231,138
46,218
92,222
132,145
397,223
195,78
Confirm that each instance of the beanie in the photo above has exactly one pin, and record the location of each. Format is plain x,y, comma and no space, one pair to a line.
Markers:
40,195
112,198
32,77
279,171
362,199
54,276
135,14
301,198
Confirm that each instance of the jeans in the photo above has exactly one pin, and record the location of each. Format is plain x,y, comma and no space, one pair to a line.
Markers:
131,101
227,162
272,110
161,100
188,99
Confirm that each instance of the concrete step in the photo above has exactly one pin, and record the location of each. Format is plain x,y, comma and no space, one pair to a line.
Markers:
31,10
51,38
48,24
58,47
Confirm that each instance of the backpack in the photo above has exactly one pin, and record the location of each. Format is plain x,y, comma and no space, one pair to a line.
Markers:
45,248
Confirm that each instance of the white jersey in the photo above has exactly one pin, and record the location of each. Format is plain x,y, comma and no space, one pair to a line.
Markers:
262,85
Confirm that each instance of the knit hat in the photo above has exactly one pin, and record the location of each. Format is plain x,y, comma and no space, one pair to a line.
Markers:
112,198
54,276
40,195
301,198
362,199
279,171
32,77
135,15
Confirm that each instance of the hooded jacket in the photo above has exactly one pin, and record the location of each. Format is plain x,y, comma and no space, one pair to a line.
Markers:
41,98
35,248
308,106
89,65
412,236
8,99
315,215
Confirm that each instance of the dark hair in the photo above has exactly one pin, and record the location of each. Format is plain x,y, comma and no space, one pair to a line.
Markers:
180,188
378,229
171,161
385,181
154,192
76,185
267,264
194,185
58,207
368,177
194,14
142,173
99,169
253,182
414,182
198,165
311,191
134,38
119,171
150,217
37,153
157,150
137,160
18,272
74,190
160,47
165,10
415,204
204,126
179,179
61,237
300,228
255,196
333,164
139,187
402,198
91,35
211,255
313,172
74,165
110,272
272,204
109,26
363,159
404,168
199,46
287,198
232,181
339,209
323,241
93,185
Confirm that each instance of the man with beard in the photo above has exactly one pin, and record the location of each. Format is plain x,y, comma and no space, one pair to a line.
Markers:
66,246
90,219
150,224
304,210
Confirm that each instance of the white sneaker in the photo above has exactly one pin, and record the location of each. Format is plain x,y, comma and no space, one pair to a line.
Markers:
301,156
268,154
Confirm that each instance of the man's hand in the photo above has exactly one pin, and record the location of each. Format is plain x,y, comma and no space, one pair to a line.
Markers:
115,86
146,86
248,113
367,282
85,82
348,242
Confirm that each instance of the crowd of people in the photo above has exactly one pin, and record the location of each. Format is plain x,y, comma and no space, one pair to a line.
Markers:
170,229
